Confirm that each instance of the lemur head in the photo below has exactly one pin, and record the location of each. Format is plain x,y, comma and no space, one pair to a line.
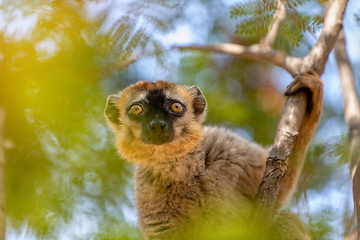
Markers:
156,121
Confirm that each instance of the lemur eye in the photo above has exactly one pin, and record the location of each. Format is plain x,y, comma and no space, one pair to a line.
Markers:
136,109
177,108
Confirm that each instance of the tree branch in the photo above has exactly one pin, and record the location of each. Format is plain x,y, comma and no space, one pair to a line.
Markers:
258,52
277,162
316,58
318,55
352,118
290,122
279,16
2,178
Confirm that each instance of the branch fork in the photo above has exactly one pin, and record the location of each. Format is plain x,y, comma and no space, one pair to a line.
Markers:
285,140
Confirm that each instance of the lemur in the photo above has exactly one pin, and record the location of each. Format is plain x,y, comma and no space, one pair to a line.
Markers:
188,176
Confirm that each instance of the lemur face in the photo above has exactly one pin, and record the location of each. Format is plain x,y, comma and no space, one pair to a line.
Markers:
156,114
156,119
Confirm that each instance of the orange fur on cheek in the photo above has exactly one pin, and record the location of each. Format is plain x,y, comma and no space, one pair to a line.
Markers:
188,128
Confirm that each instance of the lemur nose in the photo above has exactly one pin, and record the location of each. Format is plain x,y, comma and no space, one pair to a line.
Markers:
157,125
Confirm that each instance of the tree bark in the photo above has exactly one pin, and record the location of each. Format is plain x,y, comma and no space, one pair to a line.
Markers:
2,178
316,58
285,138
352,118
290,122
277,162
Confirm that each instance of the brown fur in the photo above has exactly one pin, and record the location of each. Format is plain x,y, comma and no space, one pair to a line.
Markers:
188,131
206,175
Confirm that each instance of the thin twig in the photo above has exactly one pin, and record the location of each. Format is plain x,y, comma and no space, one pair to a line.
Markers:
352,118
279,16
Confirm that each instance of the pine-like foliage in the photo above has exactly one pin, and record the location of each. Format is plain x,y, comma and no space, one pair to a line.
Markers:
137,27
255,18
55,70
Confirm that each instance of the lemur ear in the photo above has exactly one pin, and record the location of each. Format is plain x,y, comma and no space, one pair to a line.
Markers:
111,110
199,102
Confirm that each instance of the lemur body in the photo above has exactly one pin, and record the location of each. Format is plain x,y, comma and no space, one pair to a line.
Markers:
217,178
187,173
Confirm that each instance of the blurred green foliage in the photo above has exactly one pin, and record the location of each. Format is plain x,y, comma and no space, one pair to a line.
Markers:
60,59
255,18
